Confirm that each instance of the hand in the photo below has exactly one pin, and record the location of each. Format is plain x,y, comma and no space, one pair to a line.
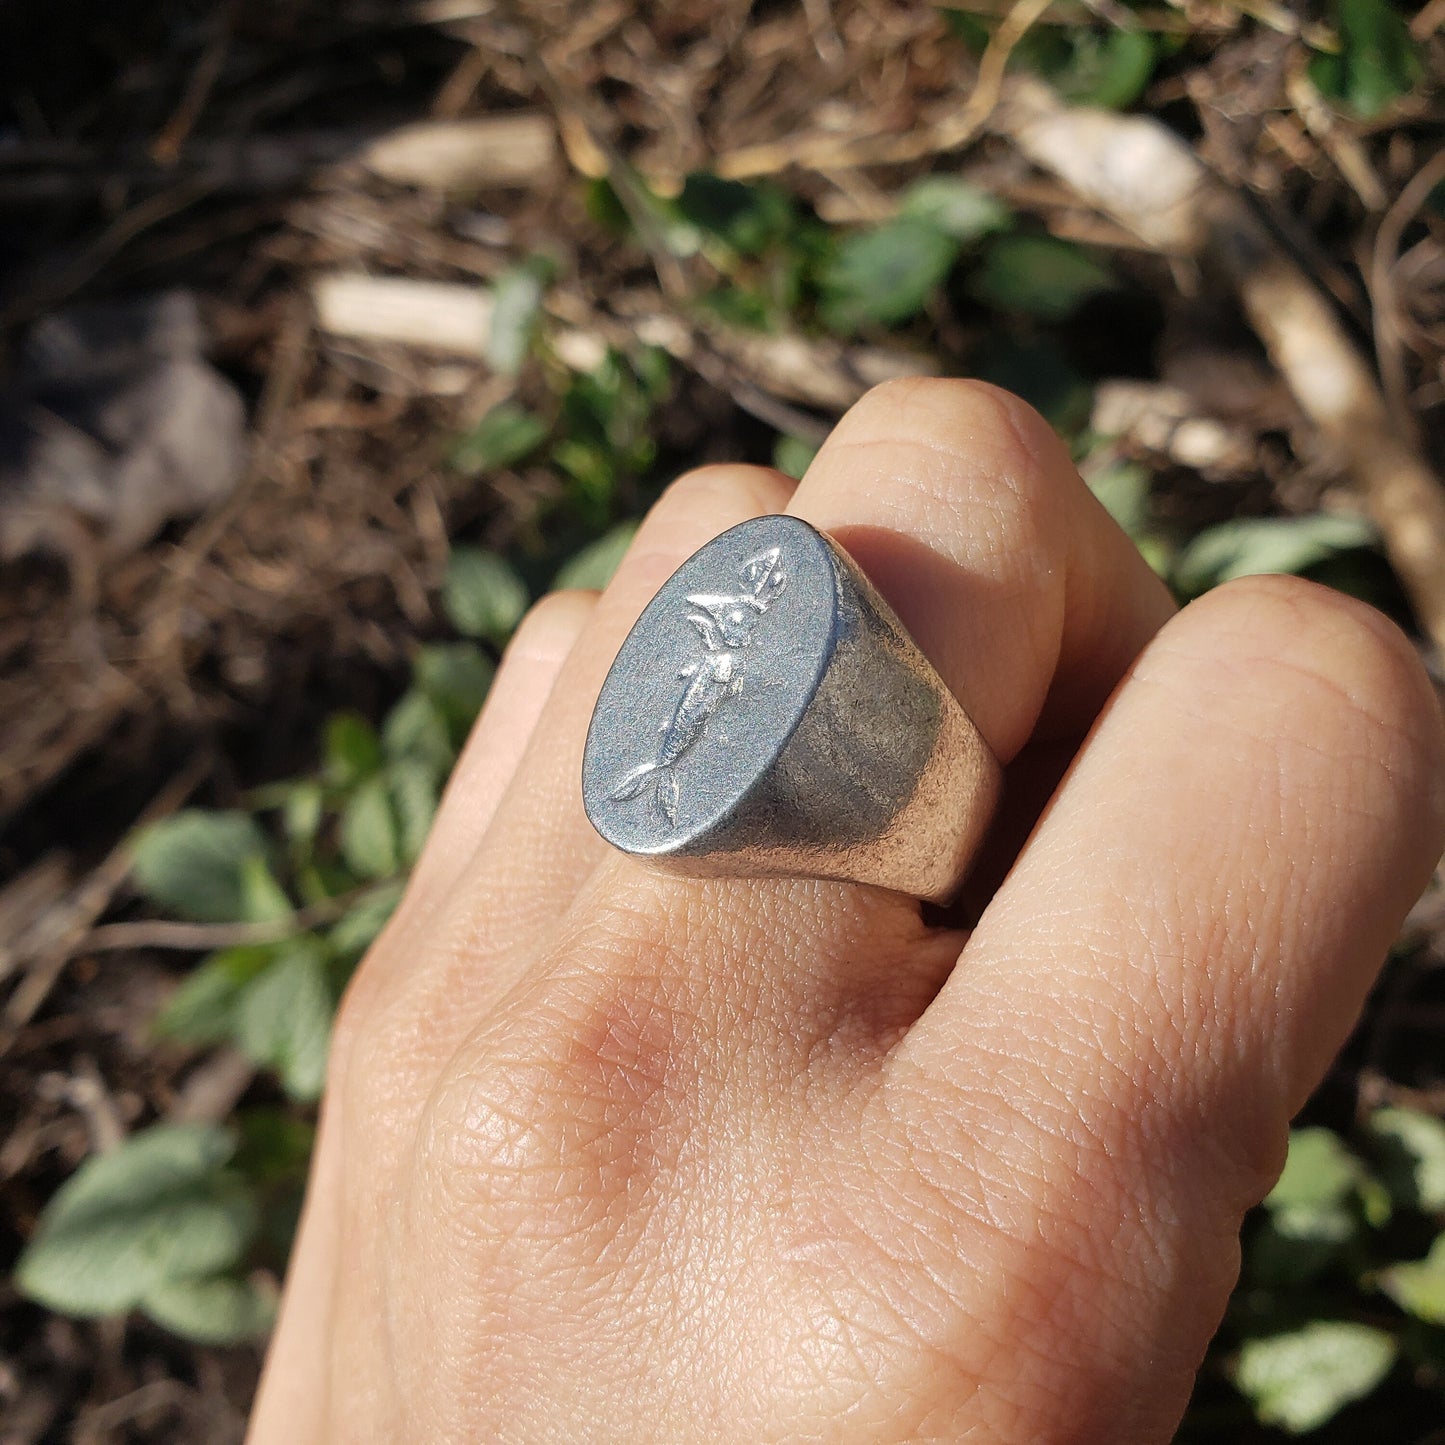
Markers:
614,1156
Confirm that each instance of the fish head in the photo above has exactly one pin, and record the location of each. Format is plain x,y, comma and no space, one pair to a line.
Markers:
732,618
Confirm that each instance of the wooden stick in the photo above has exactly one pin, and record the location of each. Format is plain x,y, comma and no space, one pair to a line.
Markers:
1135,170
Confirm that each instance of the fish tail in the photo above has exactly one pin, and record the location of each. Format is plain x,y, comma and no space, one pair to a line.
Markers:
665,796
633,783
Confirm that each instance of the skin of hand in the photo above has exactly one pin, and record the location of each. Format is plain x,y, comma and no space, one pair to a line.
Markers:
610,1155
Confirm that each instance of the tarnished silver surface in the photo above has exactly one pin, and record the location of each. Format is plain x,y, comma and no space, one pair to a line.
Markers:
769,715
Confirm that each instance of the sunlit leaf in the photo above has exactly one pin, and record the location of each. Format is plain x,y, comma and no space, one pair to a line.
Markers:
483,595
506,435
886,275
1419,1286
1315,1209
793,456
1248,546
283,1019
954,206
203,1009
369,841
194,863
592,567
1299,1380
455,676
413,788
1319,1173
1411,1146
417,729
357,931
302,812
263,900
517,312
1123,488
159,1208
215,1311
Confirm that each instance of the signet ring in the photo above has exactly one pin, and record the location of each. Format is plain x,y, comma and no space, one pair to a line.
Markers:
768,715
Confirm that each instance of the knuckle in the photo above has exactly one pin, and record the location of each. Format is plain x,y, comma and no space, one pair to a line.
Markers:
968,418
552,623
1338,664
577,1108
733,484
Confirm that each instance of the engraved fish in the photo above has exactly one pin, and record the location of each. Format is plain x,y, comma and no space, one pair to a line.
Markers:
725,622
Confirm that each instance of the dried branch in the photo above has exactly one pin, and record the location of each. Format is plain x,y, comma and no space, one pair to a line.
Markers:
164,933
1146,178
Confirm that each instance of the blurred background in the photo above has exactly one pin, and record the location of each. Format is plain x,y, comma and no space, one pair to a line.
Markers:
333,334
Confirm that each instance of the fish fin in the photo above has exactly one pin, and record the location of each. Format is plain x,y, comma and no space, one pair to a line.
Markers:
765,577
633,783
707,629
667,797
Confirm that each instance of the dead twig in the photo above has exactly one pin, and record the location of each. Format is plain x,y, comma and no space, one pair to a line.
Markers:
950,132
89,901
166,147
164,933
1383,258
1146,178
1341,145
163,625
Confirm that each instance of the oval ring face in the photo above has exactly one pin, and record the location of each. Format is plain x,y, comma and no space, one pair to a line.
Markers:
710,684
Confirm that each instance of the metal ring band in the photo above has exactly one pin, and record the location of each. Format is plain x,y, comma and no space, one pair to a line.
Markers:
769,715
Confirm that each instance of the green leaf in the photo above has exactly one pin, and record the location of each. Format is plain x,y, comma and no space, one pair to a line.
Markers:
1123,488
351,749
302,811
1319,1173
369,841
1040,372
1108,67
517,312
455,676
967,27
413,788
1301,1379
275,1146
203,1009
283,1020
215,1311
159,1208
483,595
415,729
506,435
1411,1145
1038,276
605,428
886,275
1377,62
1419,1287
746,218
263,900
194,863
358,929
1249,546
955,207
592,567
1311,1213
793,456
